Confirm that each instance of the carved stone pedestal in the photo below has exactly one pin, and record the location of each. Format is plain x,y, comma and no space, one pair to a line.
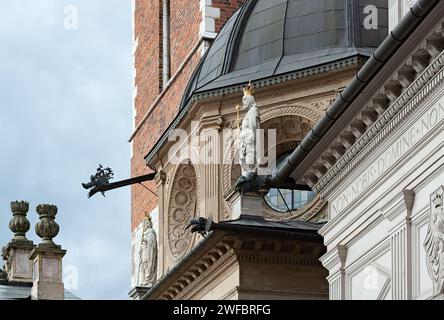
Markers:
18,266
138,292
250,204
47,273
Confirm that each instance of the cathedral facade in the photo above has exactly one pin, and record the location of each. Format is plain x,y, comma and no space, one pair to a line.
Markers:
338,196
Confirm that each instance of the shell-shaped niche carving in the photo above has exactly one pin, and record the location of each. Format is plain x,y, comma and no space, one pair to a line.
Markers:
182,207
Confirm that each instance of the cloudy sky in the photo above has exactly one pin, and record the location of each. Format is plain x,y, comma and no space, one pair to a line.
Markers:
65,101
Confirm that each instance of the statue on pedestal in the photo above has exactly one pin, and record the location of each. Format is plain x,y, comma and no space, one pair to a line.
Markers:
147,273
249,155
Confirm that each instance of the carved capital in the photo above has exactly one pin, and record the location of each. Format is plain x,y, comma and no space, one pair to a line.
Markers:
409,199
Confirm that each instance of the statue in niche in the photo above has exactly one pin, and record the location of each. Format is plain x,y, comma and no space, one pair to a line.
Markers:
249,155
434,242
147,273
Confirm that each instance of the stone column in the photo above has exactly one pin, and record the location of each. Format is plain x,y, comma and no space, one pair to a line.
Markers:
47,258
18,267
335,261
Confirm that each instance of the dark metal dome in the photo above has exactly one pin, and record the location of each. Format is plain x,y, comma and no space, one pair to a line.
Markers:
266,38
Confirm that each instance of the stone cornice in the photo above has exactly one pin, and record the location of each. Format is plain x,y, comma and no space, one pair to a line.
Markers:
255,257
384,126
229,252
263,83
335,65
389,106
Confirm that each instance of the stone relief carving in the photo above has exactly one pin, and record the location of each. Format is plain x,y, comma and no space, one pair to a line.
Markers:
183,207
147,273
434,241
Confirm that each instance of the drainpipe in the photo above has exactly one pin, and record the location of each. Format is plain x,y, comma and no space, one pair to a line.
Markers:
166,43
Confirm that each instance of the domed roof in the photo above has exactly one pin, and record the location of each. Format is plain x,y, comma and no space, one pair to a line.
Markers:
267,38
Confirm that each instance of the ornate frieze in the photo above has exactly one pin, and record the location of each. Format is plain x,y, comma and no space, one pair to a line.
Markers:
376,118
390,115
243,251
397,149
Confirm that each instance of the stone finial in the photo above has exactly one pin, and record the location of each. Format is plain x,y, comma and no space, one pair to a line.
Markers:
19,224
17,266
47,228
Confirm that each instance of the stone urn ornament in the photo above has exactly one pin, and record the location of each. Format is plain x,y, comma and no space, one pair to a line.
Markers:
47,228
19,224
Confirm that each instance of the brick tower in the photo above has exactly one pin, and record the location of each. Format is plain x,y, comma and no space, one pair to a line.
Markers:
169,38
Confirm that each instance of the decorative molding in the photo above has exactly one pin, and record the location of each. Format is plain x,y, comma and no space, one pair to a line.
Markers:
336,65
221,256
257,257
218,261
390,212
409,200
386,110
275,80
291,110
183,205
382,128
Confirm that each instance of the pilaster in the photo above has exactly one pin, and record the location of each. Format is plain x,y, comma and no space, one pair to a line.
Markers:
210,159
160,183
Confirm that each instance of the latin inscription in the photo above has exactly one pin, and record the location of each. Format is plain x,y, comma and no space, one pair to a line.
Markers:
399,148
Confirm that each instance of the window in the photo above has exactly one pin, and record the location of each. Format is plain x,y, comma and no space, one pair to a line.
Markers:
283,199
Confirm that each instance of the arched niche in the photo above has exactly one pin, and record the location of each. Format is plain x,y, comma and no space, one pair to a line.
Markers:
292,124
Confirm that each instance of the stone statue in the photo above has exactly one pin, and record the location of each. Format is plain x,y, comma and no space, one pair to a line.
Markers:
147,273
434,242
249,157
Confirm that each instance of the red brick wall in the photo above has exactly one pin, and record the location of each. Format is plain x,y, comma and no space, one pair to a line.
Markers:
184,27
185,18
227,8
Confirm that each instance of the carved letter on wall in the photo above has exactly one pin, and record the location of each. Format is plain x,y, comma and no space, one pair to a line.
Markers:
183,207
434,241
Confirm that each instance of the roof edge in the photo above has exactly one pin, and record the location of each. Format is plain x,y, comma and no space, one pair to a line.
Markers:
260,83
383,53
